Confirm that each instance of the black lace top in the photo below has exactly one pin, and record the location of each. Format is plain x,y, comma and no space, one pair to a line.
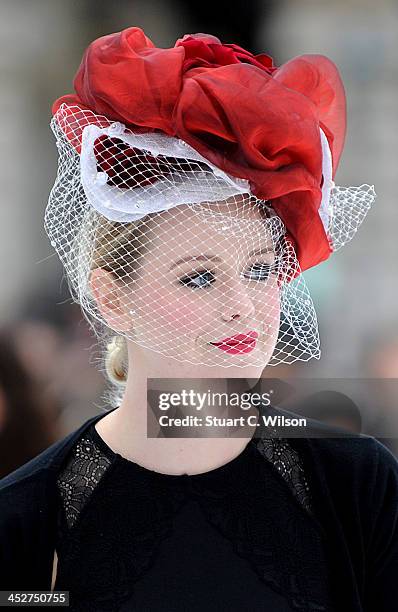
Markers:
233,538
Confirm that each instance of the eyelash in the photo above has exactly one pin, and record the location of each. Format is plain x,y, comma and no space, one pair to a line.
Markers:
188,280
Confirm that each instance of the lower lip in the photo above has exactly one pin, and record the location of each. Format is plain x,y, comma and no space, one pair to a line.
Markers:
237,349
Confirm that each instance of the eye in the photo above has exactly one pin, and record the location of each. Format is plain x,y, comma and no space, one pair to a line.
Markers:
260,271
202,279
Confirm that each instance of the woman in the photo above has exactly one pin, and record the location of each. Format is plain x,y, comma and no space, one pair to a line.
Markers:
195,184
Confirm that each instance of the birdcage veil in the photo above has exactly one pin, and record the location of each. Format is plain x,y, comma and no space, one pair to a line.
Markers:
89,223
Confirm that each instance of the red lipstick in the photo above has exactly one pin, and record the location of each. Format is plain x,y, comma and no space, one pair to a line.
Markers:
238,344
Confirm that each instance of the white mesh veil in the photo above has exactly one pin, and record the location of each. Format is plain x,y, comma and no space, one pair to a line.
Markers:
165,249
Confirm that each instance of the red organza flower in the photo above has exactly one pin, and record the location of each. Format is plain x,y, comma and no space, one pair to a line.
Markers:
250,119
205,50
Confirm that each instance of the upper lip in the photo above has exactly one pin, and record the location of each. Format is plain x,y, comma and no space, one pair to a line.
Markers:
239,338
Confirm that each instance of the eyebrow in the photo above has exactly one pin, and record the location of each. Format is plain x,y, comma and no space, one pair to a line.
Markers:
262,251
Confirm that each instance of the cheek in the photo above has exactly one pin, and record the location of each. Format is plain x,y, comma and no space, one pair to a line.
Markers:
177,311
273,315
274,300
267,300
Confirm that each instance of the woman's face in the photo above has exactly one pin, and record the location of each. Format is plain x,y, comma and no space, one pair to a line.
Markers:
198,286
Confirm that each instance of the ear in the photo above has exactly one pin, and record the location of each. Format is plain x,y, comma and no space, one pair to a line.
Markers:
108,296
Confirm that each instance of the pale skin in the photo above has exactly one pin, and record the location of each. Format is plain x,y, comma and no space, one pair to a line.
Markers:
167,302
245,305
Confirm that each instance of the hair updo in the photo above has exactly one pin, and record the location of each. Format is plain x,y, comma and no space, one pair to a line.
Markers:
116,360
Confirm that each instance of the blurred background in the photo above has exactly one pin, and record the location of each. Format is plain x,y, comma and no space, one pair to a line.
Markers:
49,376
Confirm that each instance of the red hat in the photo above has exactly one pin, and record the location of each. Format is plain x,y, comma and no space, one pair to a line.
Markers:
249,118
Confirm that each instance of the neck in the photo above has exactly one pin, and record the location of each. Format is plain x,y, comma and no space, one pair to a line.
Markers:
126,429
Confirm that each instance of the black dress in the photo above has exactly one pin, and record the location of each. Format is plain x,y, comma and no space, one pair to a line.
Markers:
130,538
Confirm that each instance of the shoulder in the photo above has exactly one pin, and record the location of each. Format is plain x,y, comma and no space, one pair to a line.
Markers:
43,466
357,480
350,468
335,450
355,457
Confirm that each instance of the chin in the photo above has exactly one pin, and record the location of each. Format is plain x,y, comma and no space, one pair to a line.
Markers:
251,371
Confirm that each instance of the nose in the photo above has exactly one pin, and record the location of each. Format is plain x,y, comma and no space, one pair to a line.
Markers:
237,304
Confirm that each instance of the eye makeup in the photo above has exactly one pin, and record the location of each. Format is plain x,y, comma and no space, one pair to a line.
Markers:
205,278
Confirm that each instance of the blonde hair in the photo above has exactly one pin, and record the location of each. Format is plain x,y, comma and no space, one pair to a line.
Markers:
116,360
117,248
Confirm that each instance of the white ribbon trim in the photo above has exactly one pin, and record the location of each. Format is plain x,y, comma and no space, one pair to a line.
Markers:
326,210
132,204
